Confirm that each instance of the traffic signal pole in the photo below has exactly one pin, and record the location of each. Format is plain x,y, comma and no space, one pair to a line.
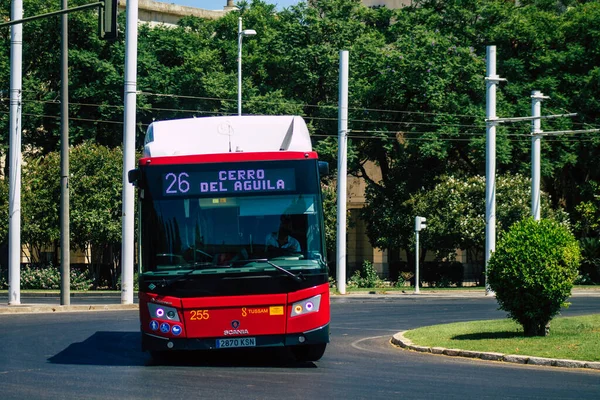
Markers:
419,226
417,262
20,21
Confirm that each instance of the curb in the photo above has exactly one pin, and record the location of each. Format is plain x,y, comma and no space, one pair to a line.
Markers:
399,340
46,309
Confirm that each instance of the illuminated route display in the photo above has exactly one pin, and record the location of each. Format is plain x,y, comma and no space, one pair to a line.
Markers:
229,180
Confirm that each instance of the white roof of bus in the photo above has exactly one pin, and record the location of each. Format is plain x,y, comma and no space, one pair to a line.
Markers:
213,135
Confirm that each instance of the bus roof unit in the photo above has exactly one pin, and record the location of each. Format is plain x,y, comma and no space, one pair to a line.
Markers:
215,135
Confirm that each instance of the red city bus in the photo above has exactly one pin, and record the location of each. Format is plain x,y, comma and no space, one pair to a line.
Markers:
231,236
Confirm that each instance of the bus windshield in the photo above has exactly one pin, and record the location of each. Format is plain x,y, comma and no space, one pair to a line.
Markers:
231,231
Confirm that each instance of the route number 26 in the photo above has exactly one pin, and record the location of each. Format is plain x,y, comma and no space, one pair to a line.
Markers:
177,183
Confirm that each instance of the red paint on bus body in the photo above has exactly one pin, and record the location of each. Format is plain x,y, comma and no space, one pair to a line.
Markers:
228,157
238,316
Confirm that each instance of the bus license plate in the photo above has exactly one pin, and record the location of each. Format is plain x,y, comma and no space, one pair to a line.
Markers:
237,342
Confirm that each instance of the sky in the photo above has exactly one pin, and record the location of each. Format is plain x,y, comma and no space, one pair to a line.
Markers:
219,4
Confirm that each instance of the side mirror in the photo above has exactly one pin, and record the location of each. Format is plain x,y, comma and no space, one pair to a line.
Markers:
133,176
323,168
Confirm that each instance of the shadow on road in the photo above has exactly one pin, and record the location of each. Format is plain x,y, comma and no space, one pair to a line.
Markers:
230,358
104,348
123,349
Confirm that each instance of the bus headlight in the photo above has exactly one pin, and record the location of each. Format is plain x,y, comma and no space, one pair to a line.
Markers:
306,306
163,312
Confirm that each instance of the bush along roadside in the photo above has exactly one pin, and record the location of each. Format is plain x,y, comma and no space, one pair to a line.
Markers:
366,277
47,278
532,272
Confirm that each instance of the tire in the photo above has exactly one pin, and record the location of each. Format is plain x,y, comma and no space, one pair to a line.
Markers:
309,352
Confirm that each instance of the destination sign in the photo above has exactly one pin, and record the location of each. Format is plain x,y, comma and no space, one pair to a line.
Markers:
228,181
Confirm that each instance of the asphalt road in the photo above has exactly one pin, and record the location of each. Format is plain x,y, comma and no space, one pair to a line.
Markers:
96,355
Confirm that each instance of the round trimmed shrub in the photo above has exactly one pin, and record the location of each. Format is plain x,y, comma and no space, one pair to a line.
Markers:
532,272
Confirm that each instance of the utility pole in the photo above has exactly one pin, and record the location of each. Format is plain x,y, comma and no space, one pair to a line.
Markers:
65,245
14,181
127,217
342,172
241,34
536,135
536,138
490,158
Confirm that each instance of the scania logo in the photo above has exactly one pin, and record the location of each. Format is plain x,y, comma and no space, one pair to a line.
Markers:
235,332
235,324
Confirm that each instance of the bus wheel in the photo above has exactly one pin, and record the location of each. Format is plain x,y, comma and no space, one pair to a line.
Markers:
309,352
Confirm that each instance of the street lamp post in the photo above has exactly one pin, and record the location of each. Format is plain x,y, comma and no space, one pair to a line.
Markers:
241,34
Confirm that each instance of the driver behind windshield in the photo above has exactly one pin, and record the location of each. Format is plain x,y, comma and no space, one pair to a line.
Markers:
282,238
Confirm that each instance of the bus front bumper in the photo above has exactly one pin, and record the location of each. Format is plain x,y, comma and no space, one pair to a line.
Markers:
152,342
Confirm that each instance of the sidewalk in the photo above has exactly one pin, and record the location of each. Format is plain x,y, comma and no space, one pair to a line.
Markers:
49,302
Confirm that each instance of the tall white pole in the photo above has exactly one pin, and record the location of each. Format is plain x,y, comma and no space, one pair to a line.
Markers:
240,66
342,172
490,158
65,242
14,187
536,138
417,262
127,221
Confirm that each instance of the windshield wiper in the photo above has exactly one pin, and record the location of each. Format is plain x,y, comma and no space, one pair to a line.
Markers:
297,278
166,283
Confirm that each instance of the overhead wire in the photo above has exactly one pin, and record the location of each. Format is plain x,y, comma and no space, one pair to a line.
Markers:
353,135
308,117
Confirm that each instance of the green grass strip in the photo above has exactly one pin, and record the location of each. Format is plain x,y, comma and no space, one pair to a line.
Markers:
575,338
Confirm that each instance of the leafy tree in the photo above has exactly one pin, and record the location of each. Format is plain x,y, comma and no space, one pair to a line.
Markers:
589,270
532,272
456,211
40,202
95,190
416,88
433,73
95,202
95,78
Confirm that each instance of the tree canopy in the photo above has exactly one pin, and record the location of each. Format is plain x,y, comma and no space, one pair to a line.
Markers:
416,90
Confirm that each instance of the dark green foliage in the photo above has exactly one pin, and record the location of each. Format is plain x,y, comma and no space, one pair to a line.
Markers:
442,274
48,277
366,277
416,99
532,272
589,271
95,204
